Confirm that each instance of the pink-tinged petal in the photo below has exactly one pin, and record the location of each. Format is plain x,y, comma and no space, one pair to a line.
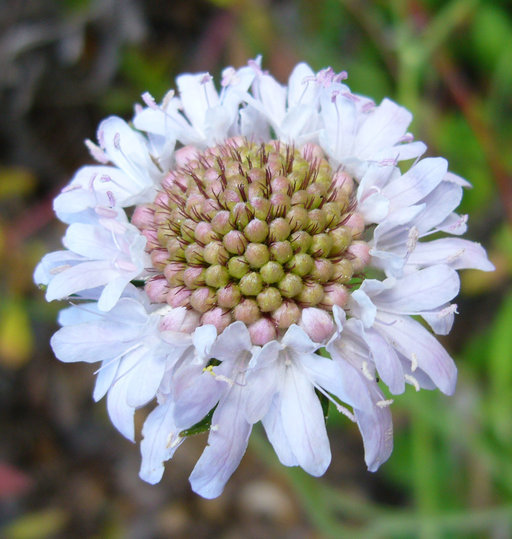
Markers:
441,321
296,339
383,127
454,224
234,340
417,345
455,252
377,431
438,206
196,396
104,378
261,384
417,182
227,443
160,439
423,290
273,98
303,423
53,263
145,377
300,90
273,424
338,377
197,94
89,342
362,307
120,413
83,276
386,361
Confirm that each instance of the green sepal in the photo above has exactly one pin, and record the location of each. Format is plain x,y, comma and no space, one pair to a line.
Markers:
201,426
324,402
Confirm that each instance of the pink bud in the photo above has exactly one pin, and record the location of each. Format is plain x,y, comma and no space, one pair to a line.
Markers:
286,315
143,217
157,289
335,294
355,223
217,317
262,332
178,296
311,151
360,250
159,258
343,183
151,237
184,155
162,199
317,323
180,319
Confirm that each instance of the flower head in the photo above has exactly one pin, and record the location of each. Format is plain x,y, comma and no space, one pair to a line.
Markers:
271,265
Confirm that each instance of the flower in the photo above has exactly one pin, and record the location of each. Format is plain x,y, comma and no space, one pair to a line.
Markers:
256,255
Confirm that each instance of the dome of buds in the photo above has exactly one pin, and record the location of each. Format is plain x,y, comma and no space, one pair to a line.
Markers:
246,231
256,254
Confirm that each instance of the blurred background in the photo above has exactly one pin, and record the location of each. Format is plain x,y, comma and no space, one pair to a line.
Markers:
64,470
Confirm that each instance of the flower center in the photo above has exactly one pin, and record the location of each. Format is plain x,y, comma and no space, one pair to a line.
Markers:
246,231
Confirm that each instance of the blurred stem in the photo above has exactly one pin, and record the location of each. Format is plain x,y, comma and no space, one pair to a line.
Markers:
423,468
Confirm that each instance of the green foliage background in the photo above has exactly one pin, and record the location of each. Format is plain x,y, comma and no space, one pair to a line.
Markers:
450,63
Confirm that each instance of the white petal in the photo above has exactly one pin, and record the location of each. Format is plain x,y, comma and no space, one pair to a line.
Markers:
197,94
304,423
160,439
227,443
362,307
384,127
377,431
273,424
455,252
300,90
338,378
416,344
417,182
423,290
146,378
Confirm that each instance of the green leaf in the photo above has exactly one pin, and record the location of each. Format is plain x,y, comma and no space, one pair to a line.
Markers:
202,426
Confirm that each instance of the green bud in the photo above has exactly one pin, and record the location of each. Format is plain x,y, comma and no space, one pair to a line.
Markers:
238,266
343,271
279,230
216,276
341,239
234,241
321,245
194,254
323,270
251,284
229,296
290,285
187,229
215,253
247,311
298,217
257,254
220,222
256,231
272,272
317,221
281,251
301,264
311,294
269,299
301,241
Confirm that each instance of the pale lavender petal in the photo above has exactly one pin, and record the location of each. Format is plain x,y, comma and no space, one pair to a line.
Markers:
160,439
414,342
227,443
303,423
339,378
423,290
417,182
197,94
300,89
377,431
455,252
273,424
145,378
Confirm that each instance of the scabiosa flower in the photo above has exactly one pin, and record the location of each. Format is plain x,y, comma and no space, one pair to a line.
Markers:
256,254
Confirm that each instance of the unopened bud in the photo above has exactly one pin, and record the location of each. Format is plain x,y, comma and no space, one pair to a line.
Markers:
216,276
335,294
341,239
262,332
238,266
156,290
194,276
247,311
202,299
256,230
257,254
360,251
290,285
301,264
178,296
272,272
234,241
220,223
215,253
311,294
204,233
286,315
269,299
281,251
143,217
229,296
251,284
217,317
318,324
